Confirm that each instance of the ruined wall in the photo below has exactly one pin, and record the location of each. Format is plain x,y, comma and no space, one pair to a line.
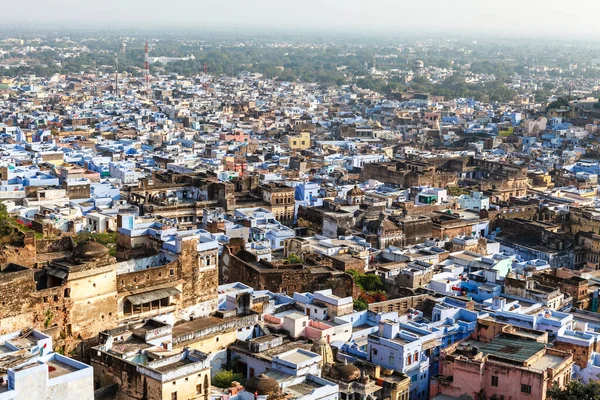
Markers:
16,311
25,255
64,243
452,230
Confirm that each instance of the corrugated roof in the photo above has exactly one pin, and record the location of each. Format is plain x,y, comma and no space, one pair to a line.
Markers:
147,297
59,273
512,348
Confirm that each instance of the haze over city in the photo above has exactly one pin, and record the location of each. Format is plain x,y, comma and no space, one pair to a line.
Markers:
510,17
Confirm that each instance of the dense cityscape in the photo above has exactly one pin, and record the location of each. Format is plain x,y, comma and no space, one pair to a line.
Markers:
270,216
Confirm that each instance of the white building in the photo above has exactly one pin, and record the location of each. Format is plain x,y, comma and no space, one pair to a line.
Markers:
34,371
431,196
477,201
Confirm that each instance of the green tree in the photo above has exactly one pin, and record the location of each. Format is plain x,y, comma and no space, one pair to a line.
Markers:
224,378
563,101
576,389
4,221
360,305
293,259
370,282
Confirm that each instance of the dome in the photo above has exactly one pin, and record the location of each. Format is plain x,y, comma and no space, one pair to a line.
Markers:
262,385
345,372
89,250
355,192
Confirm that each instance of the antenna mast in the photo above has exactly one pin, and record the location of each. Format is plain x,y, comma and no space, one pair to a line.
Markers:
146,70
116,74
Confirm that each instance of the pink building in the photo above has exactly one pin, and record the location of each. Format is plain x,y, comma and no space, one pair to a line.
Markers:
510,367
236,136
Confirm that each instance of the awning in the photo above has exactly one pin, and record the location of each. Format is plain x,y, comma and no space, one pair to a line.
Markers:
148,297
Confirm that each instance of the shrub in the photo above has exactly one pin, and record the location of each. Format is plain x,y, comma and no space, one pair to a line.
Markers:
224,378
360,305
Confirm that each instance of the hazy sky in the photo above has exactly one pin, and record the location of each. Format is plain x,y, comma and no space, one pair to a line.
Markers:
503,17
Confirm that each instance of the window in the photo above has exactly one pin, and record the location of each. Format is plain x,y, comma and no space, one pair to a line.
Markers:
526,389
495,381
391,359
199,388
374,352
171,272
174,396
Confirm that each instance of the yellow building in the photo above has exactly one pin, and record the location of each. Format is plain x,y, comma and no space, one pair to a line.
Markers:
300,141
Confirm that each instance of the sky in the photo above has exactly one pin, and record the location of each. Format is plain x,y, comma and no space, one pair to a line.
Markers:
491,17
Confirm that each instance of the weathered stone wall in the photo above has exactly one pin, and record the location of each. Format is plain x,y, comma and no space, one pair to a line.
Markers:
64,243
16,311
109,370
286,280
25,256
148,277
581,354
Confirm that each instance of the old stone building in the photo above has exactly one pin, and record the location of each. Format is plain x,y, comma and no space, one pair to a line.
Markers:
498,180
387,232
574,286
281,201
83,293
408,173
278,277
549,296
182,375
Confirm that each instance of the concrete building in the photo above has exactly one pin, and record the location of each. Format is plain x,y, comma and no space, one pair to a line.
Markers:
476,201
509,366
400,348
29,369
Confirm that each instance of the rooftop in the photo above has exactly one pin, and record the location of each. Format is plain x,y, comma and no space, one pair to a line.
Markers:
512,348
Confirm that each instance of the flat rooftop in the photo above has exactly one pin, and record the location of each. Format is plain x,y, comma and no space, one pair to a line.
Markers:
198,324
302,389
57,368
297,356
175,365
547,361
